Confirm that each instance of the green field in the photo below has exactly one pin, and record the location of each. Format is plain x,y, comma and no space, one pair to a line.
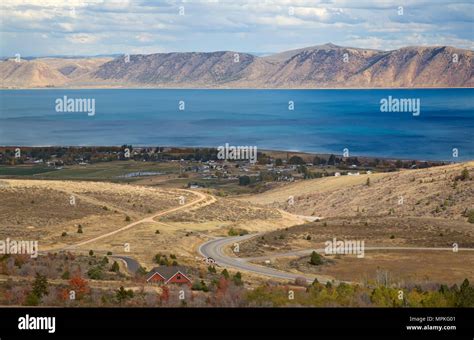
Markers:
22,170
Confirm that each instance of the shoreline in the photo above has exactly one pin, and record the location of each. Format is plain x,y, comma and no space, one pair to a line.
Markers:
231,88
266,151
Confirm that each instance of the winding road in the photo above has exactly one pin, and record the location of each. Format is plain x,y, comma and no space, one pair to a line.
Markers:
215,249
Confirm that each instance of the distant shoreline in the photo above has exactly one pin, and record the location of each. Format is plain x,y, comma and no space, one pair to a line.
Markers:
234,88
267,151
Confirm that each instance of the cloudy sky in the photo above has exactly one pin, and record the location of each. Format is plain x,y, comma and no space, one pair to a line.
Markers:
77,27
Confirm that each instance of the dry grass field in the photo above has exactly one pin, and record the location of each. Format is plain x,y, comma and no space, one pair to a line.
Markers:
424,192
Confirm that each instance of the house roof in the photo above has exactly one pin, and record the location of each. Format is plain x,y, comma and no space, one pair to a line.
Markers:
166,272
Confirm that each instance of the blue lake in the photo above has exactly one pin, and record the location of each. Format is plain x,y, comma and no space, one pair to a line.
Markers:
324,121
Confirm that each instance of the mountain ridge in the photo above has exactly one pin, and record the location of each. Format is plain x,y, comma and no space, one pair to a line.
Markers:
321,66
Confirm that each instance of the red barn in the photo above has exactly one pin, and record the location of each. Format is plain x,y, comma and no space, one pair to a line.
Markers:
164,274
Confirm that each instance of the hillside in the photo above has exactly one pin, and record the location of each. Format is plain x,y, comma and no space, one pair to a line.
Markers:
427,193
324,66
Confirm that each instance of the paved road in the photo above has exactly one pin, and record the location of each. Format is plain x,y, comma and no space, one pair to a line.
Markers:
215,249
132,264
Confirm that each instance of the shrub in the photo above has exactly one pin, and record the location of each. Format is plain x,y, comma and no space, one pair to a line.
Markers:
296,160
470,216
40,286
301,281
315,259
79,229
127,219
122,294
225,274
115,267
95,273
64,234
237,278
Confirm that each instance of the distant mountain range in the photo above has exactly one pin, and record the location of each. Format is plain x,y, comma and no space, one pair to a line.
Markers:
325,66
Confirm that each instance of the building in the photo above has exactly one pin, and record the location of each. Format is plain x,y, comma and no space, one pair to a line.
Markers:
165,275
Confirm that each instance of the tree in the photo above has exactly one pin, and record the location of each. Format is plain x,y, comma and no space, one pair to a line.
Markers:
79,229
296,160
278,162
465,297
91,253
368,182
225,274
40,286
32,300
123,294
237,278
115,267
66,275
244,180
79,286
315,259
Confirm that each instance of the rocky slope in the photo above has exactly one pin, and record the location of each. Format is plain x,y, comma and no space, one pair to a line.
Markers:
325,66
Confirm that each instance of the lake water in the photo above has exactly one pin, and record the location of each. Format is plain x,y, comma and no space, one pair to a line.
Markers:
324,121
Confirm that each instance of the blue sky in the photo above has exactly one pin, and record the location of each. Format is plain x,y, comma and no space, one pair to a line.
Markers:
76,27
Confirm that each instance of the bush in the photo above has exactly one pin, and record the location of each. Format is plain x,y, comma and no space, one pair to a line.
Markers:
115,267
237,278
122,294
225,274
79,229
200,285
91,253
127,219
244,180
301,281
296,160
64,234
237,232
470,216
464,175
95,273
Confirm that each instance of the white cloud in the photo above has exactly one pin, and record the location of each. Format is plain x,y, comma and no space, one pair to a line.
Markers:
112,26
